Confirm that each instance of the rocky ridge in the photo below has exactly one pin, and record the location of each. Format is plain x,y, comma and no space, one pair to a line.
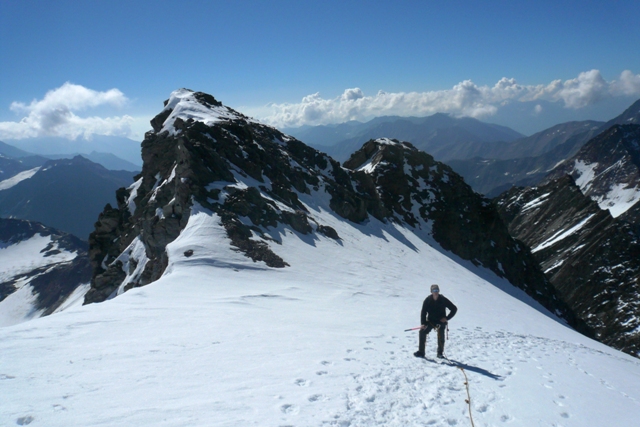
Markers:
194,154
428,195
204,155
583,225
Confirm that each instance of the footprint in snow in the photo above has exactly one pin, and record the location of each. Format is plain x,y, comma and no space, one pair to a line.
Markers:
301,382
23,421
289,409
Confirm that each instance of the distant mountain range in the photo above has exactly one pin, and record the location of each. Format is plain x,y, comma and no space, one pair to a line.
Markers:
528,160
441,135
123,148
66,194
491,158
30,160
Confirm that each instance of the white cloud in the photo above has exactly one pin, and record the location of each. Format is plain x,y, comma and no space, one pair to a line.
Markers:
587,89
628,85
55,115
464,99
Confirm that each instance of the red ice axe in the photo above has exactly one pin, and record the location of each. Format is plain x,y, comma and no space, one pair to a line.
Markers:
412,329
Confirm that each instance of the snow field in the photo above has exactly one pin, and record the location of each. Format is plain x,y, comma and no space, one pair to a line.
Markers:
222,341
16,179
19,259
25,256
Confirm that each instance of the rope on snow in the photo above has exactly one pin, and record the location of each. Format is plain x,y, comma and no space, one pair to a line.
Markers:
466,384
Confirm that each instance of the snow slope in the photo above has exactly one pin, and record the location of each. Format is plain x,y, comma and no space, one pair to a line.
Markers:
10,182
21,262
222,341
618,198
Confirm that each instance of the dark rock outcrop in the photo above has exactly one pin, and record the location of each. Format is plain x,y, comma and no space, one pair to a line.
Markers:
590,257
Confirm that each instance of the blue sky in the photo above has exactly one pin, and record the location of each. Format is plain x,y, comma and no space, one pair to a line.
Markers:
108,65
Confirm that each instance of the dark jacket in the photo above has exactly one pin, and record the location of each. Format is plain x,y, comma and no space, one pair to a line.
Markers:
434,310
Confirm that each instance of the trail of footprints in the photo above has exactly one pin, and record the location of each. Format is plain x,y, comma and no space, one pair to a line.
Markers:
397,388
392,388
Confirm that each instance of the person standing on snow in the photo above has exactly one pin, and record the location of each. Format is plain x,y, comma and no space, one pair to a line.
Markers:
433,315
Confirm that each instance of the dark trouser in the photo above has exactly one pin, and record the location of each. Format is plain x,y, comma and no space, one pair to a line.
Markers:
423,336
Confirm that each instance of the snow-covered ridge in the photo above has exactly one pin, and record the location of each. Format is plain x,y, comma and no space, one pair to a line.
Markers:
185,104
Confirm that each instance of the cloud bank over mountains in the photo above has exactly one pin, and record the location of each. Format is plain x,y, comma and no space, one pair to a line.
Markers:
60,112
464,99
55,115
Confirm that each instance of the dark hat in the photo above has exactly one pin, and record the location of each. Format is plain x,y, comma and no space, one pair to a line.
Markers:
435,288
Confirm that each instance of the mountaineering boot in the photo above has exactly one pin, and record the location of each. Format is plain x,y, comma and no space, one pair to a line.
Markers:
440,356
419,354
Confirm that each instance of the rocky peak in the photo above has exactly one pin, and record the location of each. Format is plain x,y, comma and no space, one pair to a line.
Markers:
185,105
206,155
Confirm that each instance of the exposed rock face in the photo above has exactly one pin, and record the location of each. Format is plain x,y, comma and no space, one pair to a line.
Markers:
630,116
50,267
590,257
583,226
197,154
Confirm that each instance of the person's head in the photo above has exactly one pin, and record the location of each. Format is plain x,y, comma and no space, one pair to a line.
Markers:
435,291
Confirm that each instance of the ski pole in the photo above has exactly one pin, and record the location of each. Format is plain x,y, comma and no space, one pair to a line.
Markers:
412,329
